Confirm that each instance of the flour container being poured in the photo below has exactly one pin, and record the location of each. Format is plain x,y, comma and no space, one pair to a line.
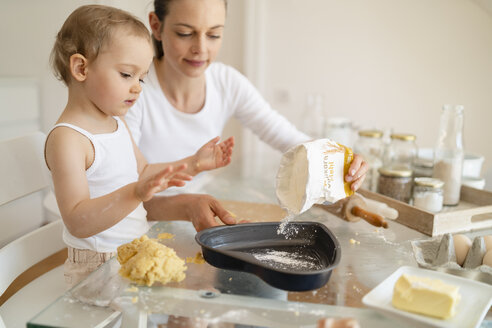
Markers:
313,173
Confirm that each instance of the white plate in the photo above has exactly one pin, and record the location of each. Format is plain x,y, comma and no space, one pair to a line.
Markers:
476,299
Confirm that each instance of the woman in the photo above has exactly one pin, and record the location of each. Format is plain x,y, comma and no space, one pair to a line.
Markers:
187,98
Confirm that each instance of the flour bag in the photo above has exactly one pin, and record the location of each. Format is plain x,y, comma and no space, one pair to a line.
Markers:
313,173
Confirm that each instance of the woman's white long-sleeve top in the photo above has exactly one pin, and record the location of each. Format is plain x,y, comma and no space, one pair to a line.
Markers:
165,134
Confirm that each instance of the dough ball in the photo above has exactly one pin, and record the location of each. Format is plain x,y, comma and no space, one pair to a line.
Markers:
146,261
487,258
462,245
488,242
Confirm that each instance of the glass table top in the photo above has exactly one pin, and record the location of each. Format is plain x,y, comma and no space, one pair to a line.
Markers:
211,297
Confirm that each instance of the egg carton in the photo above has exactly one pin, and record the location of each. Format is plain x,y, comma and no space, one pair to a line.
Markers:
438,254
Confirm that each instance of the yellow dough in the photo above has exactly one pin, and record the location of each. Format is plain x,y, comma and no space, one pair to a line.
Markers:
146,261
198,259
165,235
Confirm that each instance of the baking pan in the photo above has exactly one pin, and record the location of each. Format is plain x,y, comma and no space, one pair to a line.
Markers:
300,260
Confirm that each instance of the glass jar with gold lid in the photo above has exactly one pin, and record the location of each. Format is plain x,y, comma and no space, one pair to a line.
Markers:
395,183
428,194
401,151
370,145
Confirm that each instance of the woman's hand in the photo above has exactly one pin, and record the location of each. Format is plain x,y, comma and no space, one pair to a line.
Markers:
170,176
357,172
212,155
203,210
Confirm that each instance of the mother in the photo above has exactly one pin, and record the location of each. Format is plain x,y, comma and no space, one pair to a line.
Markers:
188,98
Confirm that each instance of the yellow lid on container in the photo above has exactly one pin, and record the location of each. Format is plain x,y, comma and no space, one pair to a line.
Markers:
403,136
395,172
429,182
371,133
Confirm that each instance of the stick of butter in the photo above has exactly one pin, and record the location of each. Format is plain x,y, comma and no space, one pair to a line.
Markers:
426,296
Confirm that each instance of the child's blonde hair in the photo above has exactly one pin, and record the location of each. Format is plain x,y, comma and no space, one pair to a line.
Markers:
86,31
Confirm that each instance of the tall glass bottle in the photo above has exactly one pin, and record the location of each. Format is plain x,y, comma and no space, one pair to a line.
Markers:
449,153
370,146
314,116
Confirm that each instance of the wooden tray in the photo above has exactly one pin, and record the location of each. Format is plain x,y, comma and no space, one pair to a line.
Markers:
474,212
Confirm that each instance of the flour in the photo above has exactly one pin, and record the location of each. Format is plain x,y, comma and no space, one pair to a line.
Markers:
289,260
284,229
449,171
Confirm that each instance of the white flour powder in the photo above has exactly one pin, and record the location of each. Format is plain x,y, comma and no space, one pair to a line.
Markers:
449,171
285,229
287,260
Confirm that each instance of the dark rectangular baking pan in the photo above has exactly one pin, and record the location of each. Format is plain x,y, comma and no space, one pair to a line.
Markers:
301,261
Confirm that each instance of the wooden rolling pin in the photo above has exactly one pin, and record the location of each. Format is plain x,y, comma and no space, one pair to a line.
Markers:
373,218
352,210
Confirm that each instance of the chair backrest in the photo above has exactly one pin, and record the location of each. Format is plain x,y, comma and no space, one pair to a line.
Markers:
19,255
24,179
19,106
488,179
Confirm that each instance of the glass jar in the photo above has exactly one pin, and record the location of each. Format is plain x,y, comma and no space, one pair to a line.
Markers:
339,129
423,167
449,153
370,146
395,183
427,194
401,151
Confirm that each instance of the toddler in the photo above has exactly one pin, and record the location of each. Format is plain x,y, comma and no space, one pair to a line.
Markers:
100,177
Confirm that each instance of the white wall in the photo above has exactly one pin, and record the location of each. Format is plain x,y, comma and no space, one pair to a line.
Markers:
382,63
388,64
28,32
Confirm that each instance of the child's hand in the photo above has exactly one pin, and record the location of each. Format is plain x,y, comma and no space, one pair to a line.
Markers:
213,156
147,187
357,172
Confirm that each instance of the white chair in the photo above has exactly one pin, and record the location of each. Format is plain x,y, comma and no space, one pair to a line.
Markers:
25,290
51,211
488,179
18,257
24,180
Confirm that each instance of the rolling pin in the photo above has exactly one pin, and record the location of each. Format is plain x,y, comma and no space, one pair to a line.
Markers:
353,209
381,208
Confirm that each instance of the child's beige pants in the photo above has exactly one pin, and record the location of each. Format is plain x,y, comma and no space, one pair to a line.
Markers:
81,262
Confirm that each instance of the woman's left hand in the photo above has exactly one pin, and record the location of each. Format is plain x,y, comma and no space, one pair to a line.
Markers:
357,172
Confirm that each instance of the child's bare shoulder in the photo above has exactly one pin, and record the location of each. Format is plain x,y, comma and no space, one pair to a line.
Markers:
68,143
65,136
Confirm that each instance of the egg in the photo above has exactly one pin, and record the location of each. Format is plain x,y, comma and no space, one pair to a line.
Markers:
488,242
462,245
487,258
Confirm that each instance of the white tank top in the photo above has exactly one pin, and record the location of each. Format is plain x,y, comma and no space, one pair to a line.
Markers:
114,166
